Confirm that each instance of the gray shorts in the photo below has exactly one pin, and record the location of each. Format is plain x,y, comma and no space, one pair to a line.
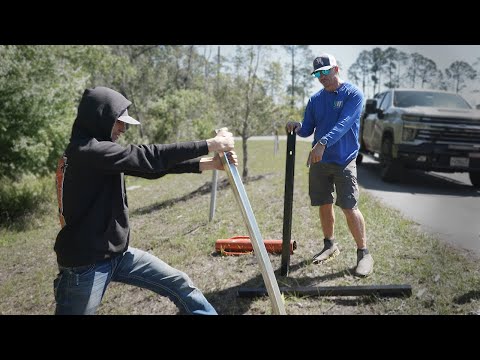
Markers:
324,179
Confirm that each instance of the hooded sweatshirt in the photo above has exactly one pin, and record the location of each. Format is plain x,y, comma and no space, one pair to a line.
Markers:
93,205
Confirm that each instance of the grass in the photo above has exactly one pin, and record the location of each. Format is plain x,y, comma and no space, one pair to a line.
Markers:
169,218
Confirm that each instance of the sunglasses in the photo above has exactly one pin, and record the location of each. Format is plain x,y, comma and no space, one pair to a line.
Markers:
323,72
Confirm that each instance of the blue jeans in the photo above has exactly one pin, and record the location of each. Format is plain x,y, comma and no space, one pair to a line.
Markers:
79,290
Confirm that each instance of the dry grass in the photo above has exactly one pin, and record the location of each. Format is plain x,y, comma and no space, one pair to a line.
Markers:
169,218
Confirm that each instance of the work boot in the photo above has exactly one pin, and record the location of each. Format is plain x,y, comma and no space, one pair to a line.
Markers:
328,253
364,262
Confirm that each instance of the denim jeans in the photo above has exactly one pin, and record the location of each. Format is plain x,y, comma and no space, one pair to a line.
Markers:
79,290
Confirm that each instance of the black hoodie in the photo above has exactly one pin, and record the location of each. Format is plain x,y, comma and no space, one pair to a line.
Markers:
91,193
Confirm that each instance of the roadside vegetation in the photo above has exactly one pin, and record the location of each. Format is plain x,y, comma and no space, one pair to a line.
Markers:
169,217
178,92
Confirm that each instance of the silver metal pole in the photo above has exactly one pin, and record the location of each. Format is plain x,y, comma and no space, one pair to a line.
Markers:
213,195
255,236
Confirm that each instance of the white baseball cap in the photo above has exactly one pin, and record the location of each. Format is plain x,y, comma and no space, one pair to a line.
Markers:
128,119
324,62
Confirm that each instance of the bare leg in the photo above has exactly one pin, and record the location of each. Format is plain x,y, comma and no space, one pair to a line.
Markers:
330,248
327,219
356,224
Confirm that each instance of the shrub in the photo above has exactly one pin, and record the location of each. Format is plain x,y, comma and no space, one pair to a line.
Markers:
25,197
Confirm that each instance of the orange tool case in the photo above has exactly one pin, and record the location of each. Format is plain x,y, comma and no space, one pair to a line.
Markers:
241,245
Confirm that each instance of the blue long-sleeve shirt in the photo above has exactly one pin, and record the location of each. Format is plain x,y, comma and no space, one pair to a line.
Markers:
336,117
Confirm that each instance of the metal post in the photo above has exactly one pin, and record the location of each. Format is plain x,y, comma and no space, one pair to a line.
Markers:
255,236
213,195
403,290
288,202
275,143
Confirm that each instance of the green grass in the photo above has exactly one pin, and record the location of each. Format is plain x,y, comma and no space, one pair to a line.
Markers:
169,218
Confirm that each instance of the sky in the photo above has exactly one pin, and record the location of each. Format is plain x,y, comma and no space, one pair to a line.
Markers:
443,55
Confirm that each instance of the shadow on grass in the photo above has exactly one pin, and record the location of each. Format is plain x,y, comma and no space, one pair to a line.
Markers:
227,301
467,297
202,190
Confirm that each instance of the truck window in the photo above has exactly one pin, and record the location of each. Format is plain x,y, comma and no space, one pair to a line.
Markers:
387,99
427,98
379,97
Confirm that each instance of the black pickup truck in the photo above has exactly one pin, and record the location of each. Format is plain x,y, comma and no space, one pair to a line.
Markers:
421,129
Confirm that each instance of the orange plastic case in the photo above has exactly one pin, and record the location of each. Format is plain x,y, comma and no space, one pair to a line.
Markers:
241,245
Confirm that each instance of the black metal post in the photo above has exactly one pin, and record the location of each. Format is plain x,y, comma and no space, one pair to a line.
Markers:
288,202
362,290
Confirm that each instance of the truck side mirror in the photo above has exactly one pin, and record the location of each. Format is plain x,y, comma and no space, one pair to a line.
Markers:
371,106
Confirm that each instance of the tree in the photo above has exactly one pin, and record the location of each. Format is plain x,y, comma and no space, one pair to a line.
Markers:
427,71
274,80
402,59
183,115
38,91
300,74
459,72
439,81
378,63
415,59
247,105
391,65
361,68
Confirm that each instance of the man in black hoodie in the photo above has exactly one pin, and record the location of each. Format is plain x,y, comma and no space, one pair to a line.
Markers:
92,247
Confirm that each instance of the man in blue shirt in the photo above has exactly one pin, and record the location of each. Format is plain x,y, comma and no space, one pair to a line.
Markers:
333,115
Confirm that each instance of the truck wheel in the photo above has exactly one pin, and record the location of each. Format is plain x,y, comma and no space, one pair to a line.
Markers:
475,179
390,168
359,159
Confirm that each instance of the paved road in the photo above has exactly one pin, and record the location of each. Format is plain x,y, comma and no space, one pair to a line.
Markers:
443,204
